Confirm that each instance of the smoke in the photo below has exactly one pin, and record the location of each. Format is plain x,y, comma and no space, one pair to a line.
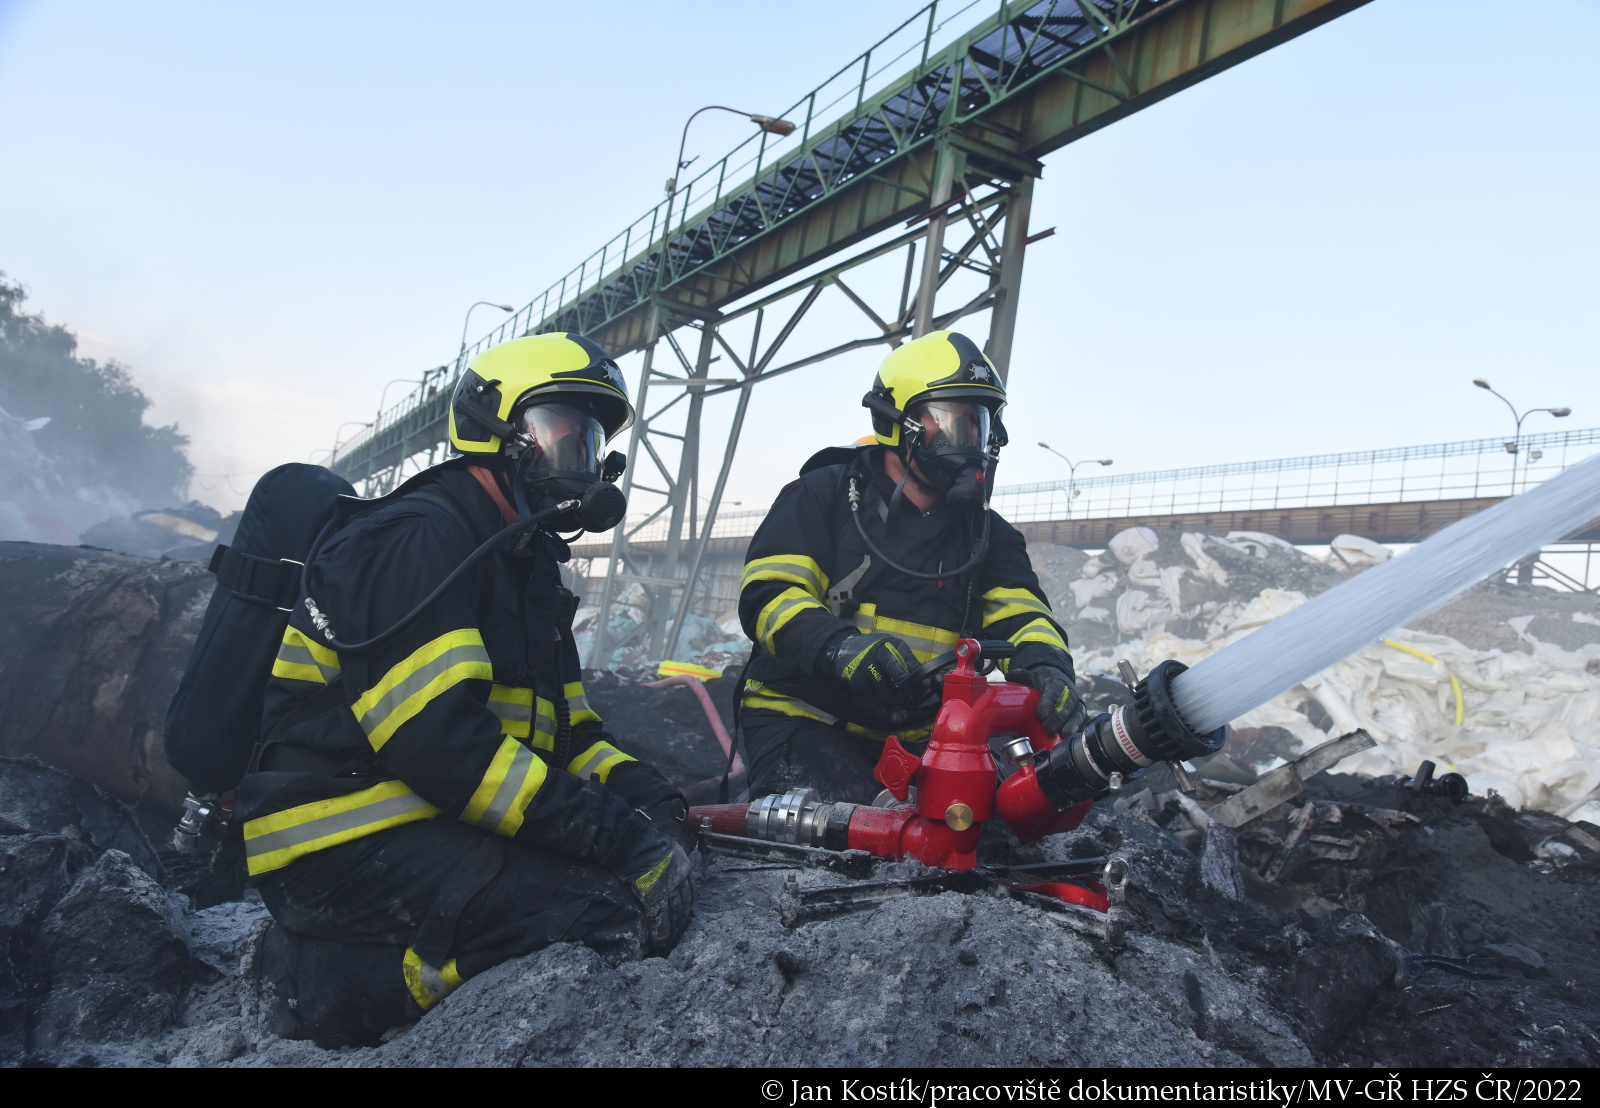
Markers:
74,447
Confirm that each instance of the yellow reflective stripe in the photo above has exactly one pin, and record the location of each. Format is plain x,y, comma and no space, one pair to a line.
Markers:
687,669
926,641
430,670
1040,630
578,704
794,568
779,611
514,707
599,760
427,984
544,724
1001,604
272,842
303,659
645,882
758,695
508,787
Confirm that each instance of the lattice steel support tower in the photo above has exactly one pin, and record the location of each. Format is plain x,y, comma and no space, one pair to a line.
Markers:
990,212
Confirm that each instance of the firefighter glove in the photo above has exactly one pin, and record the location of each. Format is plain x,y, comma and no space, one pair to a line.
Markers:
660,875
643,789
874,666
666,893
1060,707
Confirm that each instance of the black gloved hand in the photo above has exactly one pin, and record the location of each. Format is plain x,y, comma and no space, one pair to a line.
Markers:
1060,708
645,790
659,873
874,666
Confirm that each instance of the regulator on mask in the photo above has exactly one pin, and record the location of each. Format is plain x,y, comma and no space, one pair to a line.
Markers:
557,458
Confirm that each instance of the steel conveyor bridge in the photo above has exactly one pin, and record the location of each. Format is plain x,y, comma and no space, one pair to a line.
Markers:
929,141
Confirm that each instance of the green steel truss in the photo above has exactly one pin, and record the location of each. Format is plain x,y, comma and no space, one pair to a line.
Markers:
983,105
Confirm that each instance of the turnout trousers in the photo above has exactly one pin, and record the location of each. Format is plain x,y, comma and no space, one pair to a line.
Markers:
792,752
375,931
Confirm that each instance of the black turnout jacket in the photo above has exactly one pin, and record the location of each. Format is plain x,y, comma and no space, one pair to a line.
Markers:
808,577
459,716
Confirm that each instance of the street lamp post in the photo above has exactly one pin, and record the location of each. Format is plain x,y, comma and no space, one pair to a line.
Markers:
465,322
767,123
334,453
1072,472
383,396
1514,447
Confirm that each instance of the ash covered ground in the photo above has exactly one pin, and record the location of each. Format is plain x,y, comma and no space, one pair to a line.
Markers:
1450,935
1354,924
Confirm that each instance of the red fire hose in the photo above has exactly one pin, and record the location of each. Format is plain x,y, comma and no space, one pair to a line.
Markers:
714,718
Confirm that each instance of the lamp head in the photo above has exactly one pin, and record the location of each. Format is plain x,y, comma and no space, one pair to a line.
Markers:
1560,413
773,126
1480,382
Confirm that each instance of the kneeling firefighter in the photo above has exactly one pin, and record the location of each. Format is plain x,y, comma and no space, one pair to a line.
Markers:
879,558
434,795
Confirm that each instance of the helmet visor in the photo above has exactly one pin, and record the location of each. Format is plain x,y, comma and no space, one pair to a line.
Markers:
952,424
566,438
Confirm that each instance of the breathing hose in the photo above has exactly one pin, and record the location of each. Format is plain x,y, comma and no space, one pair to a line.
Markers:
323,625
980,549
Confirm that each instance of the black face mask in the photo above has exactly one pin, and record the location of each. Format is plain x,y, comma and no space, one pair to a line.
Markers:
950,451
563,462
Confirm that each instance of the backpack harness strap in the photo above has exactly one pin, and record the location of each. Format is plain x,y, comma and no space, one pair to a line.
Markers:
274,581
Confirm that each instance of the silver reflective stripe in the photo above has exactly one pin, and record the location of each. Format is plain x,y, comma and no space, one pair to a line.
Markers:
509,712
296,655
332,824
926,648
434,981
769,566
1027,604
416,682
598,753
516,776
773,613
578,703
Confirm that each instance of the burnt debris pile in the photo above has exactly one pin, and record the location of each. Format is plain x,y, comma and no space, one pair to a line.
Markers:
1290,900
1358,921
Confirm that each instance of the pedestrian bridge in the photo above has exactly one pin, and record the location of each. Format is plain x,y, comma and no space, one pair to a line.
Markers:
1397,495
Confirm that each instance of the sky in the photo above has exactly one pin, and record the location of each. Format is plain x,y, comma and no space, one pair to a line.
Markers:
269,212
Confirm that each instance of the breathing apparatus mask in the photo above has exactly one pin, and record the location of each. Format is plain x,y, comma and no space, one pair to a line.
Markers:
556,457
953,444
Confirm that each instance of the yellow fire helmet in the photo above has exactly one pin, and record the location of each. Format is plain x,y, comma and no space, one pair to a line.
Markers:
504,379
943,364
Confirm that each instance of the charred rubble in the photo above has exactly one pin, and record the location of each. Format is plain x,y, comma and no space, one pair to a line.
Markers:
1273,916
1359,922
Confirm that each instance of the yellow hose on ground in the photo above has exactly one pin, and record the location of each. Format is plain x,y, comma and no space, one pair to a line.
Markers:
1455,686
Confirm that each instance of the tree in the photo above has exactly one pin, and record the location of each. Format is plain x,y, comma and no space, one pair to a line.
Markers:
96,434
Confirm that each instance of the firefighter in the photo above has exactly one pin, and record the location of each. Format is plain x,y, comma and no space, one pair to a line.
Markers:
433,801
877,560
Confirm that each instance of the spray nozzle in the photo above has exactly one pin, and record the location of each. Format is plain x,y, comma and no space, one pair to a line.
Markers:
1117,746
